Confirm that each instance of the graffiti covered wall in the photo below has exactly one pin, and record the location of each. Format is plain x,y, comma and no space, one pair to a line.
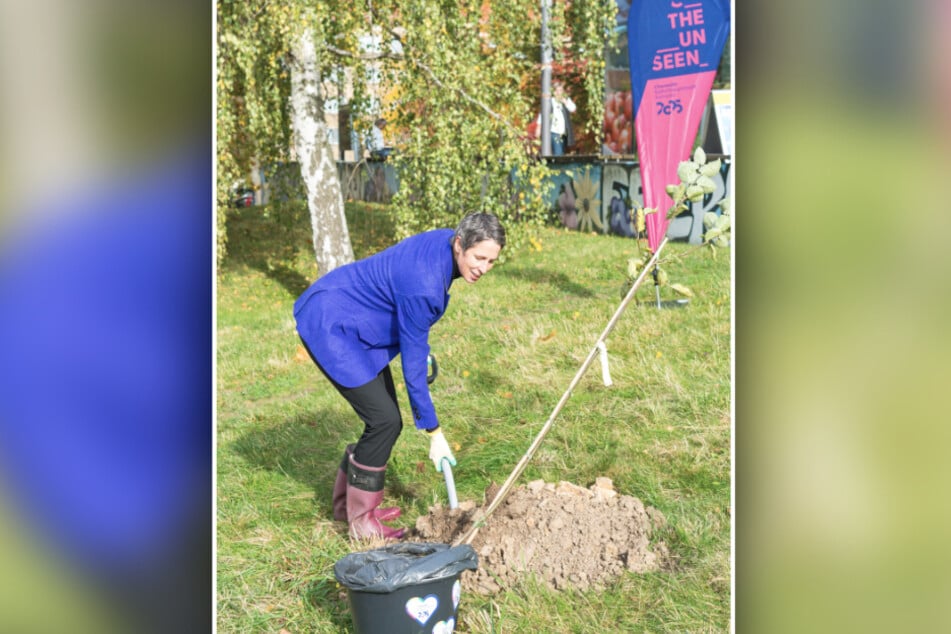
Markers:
588,194
598,196
577,192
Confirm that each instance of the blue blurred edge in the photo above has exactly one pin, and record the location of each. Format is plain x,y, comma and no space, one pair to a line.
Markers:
106,412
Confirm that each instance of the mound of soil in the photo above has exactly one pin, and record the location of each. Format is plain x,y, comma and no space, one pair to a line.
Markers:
564,534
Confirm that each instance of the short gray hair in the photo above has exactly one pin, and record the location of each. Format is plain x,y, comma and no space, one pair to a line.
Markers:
476,227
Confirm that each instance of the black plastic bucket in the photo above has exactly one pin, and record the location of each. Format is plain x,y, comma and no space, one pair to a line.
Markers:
405,588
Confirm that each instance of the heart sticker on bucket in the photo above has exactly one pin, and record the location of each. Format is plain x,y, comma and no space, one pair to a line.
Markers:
456,593
422,609
445,627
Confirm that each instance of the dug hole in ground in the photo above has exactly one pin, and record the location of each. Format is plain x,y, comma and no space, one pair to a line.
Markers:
563,534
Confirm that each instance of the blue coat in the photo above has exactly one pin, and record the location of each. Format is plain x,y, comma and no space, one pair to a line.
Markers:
358,317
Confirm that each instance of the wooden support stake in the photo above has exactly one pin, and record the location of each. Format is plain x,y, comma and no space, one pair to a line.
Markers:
520,467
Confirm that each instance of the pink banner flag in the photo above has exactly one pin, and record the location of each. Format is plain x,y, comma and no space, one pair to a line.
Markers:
674,50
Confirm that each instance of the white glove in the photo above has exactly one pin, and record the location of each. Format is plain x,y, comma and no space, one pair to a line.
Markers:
439,449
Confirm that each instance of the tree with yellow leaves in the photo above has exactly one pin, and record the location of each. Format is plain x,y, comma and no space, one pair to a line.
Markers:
460,77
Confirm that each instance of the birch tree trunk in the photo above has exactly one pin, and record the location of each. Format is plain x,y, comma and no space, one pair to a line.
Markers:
318,166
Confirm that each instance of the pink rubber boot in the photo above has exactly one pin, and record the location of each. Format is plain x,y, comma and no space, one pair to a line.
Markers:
364,496
340,494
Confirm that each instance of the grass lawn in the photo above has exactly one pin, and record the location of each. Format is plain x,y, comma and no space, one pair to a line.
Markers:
507,349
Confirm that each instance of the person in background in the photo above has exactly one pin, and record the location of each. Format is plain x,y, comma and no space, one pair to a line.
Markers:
353,322
378,147
562,135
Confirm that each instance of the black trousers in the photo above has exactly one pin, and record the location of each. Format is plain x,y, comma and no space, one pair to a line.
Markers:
375,403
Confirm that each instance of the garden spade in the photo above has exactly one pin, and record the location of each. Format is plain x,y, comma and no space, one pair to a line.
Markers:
450,483
433,368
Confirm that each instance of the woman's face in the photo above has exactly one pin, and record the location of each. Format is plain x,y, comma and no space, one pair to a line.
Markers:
475,261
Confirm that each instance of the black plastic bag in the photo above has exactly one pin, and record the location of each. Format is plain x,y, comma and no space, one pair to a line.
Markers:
405,564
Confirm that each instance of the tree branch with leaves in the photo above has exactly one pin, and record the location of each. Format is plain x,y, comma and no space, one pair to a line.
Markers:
696,181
